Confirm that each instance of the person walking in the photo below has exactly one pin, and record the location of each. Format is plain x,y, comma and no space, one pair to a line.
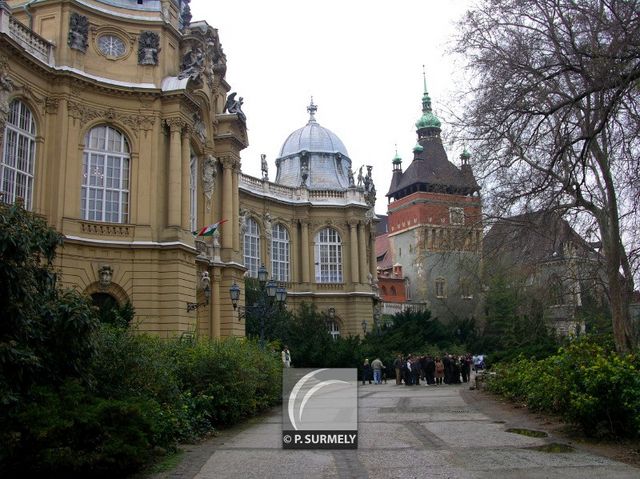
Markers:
366,372
377,367
286,357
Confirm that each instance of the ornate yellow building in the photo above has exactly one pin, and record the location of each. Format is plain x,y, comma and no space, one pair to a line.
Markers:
117,125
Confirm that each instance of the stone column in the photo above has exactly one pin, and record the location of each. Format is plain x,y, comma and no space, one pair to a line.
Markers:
215,307
362,250
186,178
372,259
175,172
235,210
304,251
227,203
353,238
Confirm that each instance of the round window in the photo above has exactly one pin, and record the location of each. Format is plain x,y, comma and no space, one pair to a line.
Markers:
111,45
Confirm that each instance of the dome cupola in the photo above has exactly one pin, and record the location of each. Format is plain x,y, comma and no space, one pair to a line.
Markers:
314,157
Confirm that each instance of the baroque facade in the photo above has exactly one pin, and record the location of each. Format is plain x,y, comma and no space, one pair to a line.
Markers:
434,232
118,126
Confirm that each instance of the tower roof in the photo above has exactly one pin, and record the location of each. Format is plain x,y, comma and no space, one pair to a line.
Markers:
430,169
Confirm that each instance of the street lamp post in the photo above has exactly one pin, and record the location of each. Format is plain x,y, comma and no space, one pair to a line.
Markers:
271,296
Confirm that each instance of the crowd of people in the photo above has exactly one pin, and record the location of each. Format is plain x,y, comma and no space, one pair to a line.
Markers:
412,369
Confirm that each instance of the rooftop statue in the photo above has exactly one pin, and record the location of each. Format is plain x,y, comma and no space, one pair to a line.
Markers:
234,106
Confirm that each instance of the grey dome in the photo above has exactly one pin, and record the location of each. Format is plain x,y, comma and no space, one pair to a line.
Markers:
315,138
313,156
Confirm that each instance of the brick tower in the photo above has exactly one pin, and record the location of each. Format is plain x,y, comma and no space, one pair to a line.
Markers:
435,224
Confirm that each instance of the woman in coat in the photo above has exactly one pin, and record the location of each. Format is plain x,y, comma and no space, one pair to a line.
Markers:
439,371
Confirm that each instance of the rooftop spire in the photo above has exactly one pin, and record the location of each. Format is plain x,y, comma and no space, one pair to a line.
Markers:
312,111
428,119
424,79
396,159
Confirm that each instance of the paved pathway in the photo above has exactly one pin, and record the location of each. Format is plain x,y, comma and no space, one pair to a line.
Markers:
404,432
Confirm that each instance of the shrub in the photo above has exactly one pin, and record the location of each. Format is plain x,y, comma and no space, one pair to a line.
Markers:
598,390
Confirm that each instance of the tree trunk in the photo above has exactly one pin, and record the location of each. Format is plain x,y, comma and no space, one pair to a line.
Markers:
618,289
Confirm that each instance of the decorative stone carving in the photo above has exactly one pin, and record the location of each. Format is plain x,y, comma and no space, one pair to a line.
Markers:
175,123
85,114
51,105
148,48
202,57
192,65
369,187
78,32
351,180
6,87
264,167
199,127
235,106
105,274
304,168
267,227
360,178
209,173
243,221
185,15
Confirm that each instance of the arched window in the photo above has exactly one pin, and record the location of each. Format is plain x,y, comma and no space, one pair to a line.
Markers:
384,290
105,176
193,193
18,157
252,248
393,291
280,252
328,256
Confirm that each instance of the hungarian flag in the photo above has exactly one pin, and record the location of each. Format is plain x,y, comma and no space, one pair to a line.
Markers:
209,230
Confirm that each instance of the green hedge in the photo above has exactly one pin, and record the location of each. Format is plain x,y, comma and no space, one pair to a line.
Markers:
143,395
594,388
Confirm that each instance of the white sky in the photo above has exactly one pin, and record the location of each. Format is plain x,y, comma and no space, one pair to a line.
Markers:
361,61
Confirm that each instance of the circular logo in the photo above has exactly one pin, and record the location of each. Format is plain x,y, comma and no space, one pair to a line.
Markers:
287,439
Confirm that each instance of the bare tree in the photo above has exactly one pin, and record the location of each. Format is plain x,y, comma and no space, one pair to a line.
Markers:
554,115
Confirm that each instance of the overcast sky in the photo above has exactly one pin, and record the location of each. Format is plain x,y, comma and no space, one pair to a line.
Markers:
361,61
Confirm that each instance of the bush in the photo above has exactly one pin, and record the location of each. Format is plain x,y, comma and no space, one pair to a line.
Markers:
70,432
597,389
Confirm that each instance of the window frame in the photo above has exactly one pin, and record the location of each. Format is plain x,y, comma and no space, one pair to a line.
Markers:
97,161
280,253
251,248
441,288
19,174
328,256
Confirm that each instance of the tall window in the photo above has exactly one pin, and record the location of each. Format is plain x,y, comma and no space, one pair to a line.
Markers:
334,329
16,169
328,256
441,288
105,176
193,194
252,248
280,252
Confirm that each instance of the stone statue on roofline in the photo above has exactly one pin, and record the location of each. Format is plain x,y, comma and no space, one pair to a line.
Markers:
235,106
264,166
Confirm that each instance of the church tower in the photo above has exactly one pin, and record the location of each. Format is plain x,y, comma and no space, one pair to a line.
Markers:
435,224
